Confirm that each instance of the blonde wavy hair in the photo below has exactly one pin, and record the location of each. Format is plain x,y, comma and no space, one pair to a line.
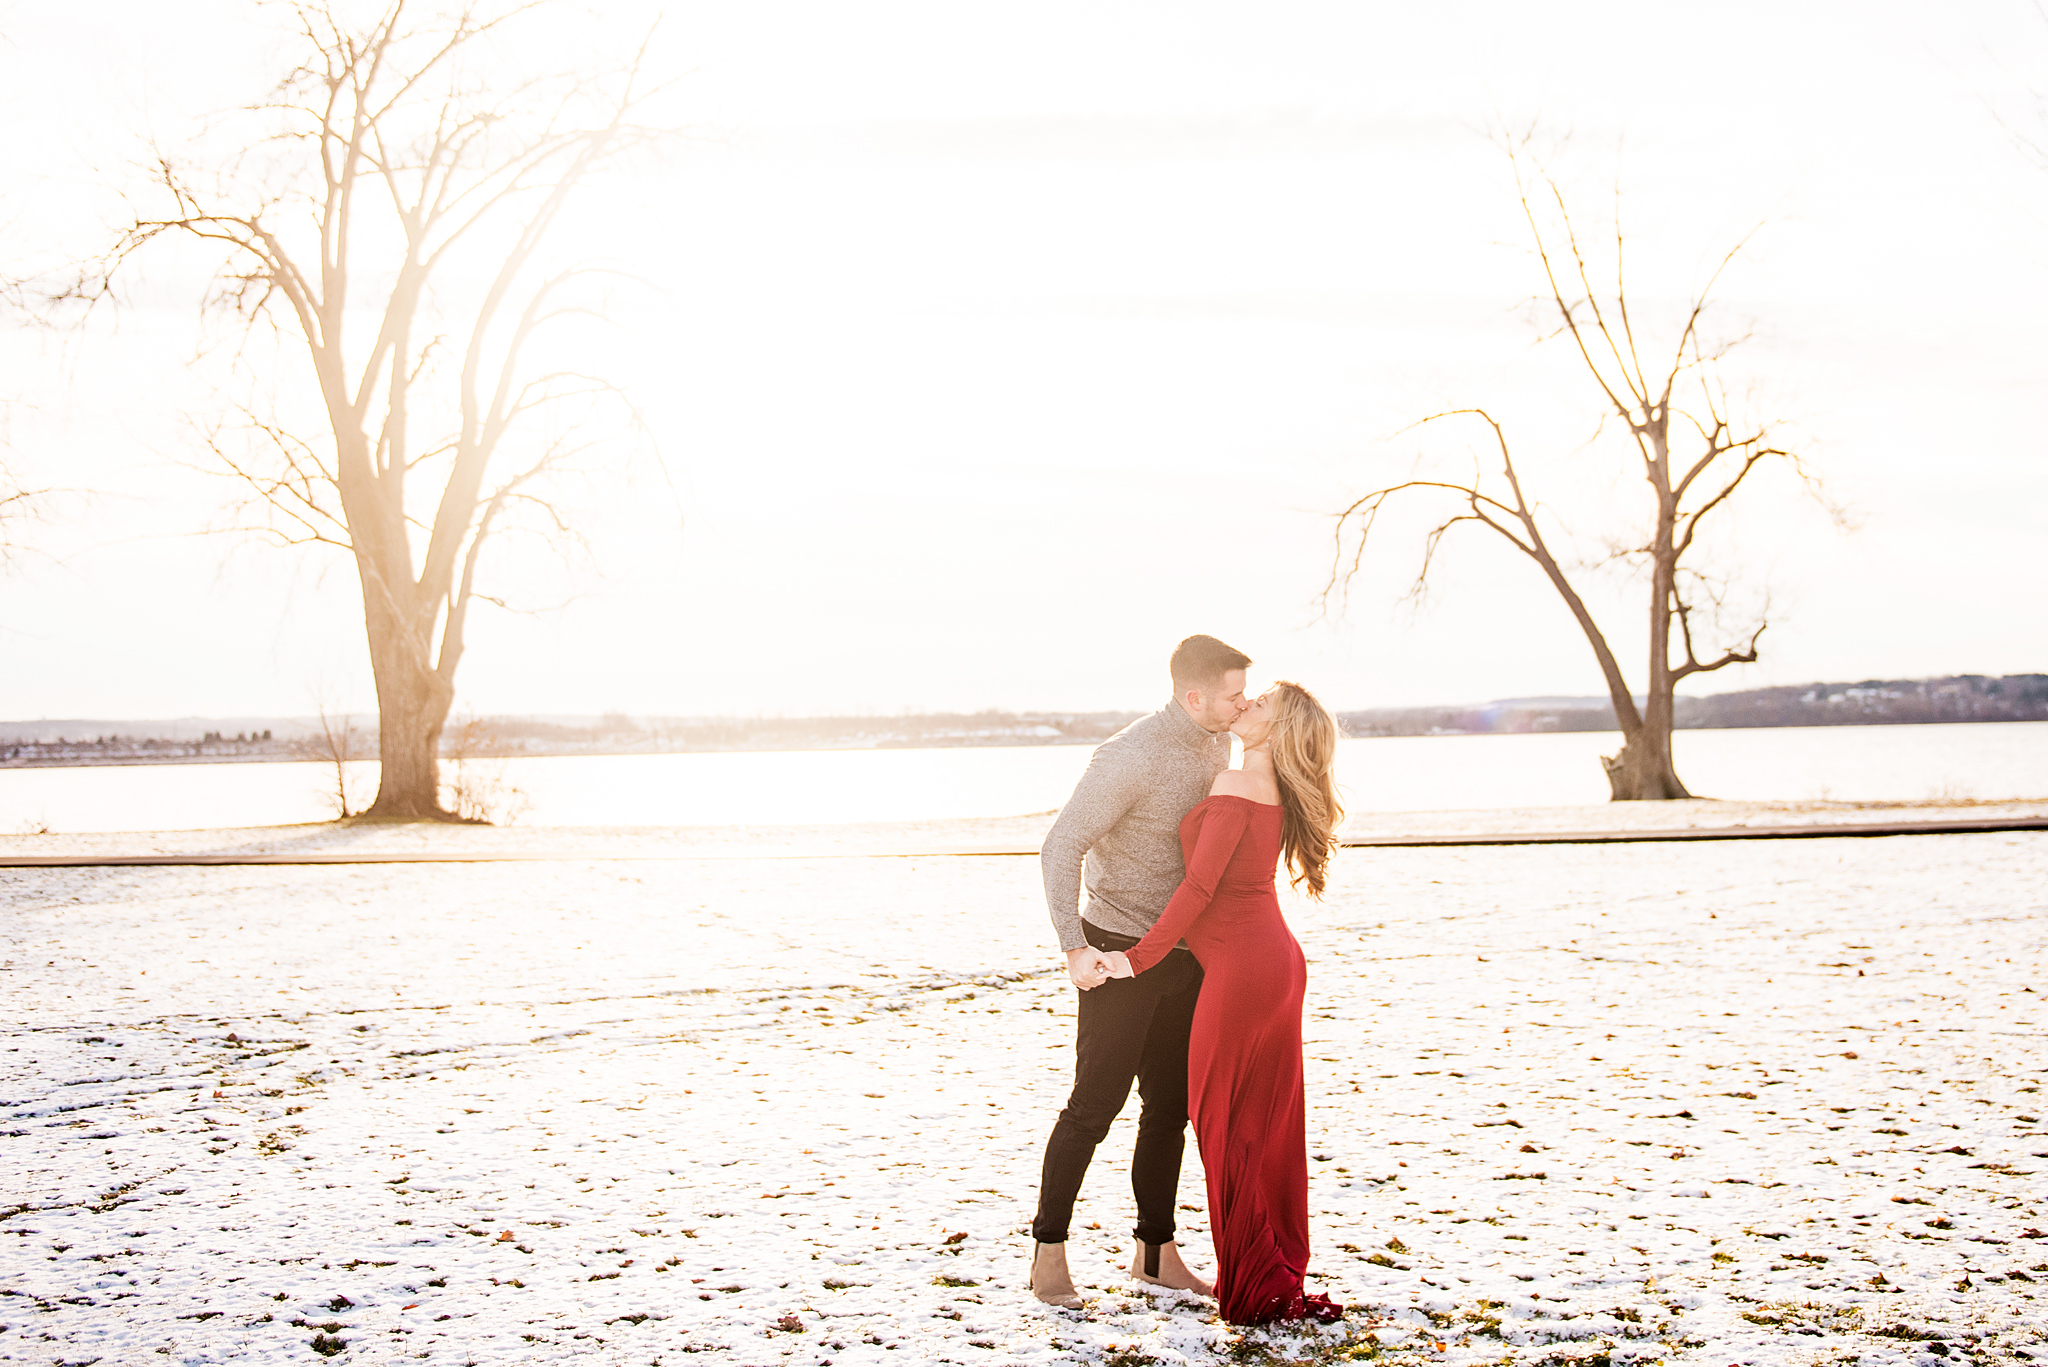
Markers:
1304,748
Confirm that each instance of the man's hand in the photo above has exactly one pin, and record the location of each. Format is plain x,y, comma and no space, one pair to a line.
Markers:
1088,966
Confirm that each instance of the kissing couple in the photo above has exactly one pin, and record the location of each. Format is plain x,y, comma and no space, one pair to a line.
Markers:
1190,982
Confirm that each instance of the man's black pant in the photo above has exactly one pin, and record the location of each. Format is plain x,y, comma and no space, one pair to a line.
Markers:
1129,1028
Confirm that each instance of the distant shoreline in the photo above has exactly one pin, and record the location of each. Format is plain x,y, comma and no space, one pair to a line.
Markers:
88,755
84,759
84,743
146,761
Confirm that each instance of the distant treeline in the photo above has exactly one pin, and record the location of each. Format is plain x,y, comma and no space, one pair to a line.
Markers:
1959,697
49,745
1962,697
212,747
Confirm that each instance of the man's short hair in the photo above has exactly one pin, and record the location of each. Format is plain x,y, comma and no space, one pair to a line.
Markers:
1200,662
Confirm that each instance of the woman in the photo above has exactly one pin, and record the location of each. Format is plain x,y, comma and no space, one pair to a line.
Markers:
1244,1052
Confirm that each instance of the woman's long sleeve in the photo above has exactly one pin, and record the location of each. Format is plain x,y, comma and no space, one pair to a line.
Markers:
1223,826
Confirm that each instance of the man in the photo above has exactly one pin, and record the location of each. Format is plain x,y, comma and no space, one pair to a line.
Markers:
1122,826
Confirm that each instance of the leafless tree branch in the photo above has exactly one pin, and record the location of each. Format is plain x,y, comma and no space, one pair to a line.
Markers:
1606,334
387,150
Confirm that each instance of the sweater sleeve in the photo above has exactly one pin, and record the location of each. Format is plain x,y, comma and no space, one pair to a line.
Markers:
1106,791
1223,826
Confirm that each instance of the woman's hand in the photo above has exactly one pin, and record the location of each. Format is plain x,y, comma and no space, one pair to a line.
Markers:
1119,964
1087,967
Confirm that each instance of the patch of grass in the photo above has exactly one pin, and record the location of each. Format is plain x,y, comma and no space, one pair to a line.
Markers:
107,1200
1807,1317
1907,1332
945,1280
1273,1347
1485,1321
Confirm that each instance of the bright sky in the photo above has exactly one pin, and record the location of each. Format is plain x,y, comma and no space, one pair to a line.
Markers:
994,348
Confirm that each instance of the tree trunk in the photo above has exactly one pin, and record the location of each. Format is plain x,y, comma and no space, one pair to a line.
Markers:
412,705
1641,771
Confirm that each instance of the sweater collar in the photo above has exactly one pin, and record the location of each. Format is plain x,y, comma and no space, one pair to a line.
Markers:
1182,728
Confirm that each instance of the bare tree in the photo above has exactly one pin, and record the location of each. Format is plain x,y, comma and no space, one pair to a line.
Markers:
1693,458
480,789
23,503
337,746
2020,106
19,506
398,182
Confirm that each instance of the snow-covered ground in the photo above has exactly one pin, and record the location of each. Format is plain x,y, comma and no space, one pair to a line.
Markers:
1747,1102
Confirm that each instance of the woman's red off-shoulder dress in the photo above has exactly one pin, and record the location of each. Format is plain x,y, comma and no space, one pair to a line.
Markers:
1244,1056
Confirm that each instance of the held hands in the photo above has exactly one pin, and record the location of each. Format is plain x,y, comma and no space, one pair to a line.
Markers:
1089,967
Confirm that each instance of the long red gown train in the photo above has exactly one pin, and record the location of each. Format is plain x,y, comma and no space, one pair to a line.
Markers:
1244,1055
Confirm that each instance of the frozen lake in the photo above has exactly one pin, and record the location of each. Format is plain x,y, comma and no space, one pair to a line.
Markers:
1418,773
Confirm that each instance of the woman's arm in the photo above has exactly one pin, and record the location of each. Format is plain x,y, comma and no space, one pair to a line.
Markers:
1222,828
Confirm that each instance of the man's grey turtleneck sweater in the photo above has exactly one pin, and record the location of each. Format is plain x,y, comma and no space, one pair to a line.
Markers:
1124,817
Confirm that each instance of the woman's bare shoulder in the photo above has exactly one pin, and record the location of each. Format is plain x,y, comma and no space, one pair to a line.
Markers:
1234,783
1251,787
